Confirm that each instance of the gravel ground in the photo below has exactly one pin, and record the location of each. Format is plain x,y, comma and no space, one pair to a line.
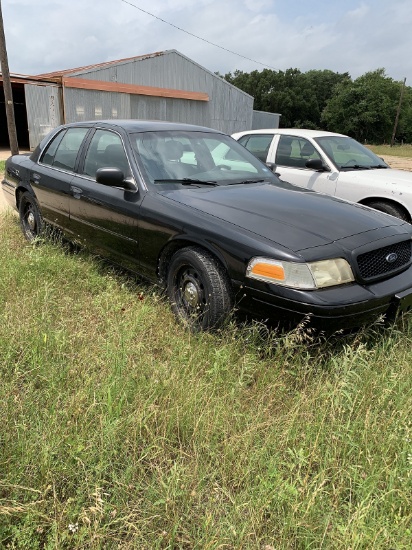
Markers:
398,162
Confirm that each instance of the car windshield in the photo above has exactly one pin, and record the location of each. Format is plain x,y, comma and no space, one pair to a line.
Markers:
348,154
197,158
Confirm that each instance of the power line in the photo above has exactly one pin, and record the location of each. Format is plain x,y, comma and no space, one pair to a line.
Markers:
198,37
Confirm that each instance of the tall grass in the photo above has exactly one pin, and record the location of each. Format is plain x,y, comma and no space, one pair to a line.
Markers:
404,151
122,430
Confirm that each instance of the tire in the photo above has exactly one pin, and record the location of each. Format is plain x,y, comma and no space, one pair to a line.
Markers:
31,220
391,209
198,289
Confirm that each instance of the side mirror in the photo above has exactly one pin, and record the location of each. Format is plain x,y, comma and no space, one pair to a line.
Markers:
273,167
114,177
316,164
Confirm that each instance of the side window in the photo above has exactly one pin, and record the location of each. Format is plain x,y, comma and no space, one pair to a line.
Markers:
62,151
294,152
243,140
48,155
306,150
257,144
284,151
105,150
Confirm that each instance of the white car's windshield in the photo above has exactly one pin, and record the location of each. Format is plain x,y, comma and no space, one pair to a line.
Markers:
348,154
197,158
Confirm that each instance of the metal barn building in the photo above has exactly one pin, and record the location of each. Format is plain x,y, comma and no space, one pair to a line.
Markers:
159,86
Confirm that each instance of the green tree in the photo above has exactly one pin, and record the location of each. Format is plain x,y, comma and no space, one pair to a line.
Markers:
365,108
322,85
299,97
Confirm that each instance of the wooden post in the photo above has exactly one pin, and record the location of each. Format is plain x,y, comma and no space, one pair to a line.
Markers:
398,113
8,95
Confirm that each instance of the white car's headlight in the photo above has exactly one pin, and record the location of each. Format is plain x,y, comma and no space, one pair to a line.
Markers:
307,276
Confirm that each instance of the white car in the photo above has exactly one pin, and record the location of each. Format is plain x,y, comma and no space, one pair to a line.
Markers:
334,164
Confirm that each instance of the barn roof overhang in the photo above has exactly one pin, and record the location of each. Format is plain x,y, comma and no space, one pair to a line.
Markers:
85,84
25,79
100,85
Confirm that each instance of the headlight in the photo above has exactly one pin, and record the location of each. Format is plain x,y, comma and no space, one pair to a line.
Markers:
304,276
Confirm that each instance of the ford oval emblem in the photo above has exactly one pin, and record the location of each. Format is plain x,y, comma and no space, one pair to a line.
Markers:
392,257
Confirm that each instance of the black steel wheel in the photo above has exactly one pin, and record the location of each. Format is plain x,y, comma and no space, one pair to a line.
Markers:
390,208
31,220
198,289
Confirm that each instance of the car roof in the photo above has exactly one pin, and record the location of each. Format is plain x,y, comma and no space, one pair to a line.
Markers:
132,125
301,132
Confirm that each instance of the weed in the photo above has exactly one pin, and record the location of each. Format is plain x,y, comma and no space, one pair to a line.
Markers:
120,429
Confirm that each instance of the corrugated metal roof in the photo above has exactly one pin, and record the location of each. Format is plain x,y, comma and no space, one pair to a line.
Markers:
57,76
25,79
66,72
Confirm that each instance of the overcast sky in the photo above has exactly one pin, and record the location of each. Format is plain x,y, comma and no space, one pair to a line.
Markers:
352,36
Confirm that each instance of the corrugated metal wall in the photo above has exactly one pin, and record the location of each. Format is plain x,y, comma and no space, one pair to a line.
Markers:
94,105
43,104
174,110
228,109
262,119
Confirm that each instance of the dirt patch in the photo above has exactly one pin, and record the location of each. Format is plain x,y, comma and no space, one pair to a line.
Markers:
400,163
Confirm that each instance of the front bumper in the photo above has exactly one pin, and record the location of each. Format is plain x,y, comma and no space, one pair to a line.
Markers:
348,306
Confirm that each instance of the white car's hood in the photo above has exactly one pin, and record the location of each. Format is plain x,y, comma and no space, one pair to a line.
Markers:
378,177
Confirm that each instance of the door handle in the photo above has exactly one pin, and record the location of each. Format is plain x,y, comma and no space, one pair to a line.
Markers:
76,191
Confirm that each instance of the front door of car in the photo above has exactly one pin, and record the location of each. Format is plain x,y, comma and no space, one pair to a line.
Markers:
53,174
292,152
102,217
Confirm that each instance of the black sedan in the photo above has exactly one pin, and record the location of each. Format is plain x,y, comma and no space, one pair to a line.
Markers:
190,208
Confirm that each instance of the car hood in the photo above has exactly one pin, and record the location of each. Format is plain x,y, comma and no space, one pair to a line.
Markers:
288,215
378,177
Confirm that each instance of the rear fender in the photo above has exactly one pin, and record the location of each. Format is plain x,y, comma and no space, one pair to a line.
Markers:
26,188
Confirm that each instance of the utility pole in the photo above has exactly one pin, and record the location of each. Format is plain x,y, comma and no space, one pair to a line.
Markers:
8,95
398,113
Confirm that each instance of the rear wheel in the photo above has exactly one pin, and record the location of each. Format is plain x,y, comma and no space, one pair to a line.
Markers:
31,220
390,208
198,289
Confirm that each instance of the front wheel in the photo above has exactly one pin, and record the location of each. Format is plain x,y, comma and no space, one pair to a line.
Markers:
31,220
390,208
198,289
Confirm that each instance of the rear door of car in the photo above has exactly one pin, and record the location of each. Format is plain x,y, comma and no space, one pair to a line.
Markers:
52,175
105,218
258,144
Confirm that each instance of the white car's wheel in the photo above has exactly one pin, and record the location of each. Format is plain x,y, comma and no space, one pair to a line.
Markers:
391,209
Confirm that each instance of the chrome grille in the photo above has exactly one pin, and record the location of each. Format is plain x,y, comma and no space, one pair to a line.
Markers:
375,263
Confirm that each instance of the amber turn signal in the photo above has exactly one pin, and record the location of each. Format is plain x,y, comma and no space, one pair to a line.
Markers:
269,271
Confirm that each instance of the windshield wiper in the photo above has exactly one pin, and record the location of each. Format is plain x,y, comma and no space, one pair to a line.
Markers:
375,166
355,167
186,181
247,181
